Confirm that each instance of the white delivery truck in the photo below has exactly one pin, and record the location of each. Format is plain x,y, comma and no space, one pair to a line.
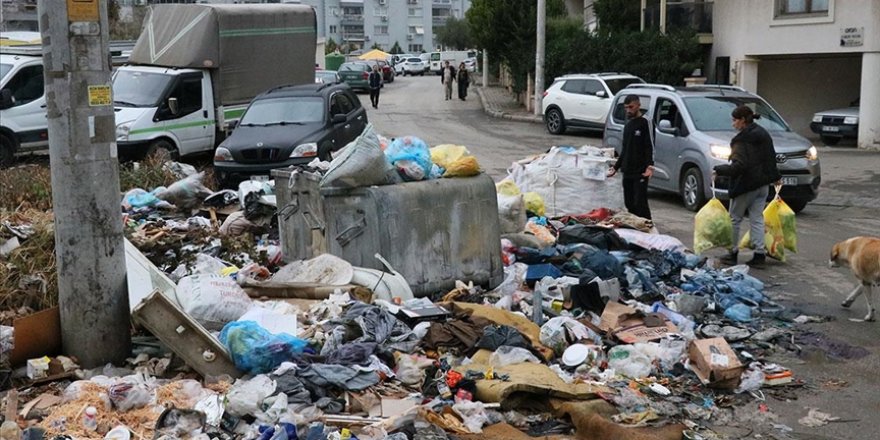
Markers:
190,76
455,57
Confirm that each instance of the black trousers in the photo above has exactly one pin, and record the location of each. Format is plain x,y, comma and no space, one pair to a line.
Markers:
635,195
462,90
374,96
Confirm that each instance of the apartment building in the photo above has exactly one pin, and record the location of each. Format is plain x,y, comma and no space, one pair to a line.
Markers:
363,23
803,56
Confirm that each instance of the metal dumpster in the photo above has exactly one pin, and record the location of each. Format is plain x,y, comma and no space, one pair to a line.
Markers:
433,232
300,214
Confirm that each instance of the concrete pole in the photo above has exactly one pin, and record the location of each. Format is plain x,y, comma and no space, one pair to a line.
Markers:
485,68
92,290
663,17
539,57
869,107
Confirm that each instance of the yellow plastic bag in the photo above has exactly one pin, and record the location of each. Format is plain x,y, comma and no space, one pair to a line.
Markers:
534,203
464,167
712,227
507,187
789,224
779,229
456,160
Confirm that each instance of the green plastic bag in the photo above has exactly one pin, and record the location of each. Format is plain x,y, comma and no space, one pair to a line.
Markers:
712,227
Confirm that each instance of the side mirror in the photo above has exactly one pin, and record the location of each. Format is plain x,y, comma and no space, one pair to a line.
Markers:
666,127
601,94
6,100
339,118
173,106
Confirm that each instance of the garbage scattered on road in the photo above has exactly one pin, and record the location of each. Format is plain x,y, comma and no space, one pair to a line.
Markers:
280,312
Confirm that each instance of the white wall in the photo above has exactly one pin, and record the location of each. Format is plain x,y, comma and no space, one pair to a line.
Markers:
832,82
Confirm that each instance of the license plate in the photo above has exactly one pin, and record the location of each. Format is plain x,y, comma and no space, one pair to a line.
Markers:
789,181
830,128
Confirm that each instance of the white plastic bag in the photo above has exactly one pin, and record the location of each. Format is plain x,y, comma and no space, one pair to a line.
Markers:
473,414
512,213
507,355
362,163
186,193
660,242
212,300
628,361
560,332
246,396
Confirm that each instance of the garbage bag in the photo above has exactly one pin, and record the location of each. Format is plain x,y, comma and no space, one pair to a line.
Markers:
456,160
495,336
186,193
511,213
465,167
507,187
629,361
127,395
212,300
507,355
775,236
534,203
712,227
411,157
362,163
254,350
245,397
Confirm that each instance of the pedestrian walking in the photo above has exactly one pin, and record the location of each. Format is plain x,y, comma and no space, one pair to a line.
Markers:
751,170
636,159
464,80
447,77
375,86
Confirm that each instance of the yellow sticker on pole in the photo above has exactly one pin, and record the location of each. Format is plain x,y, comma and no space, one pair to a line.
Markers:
99,95
83,10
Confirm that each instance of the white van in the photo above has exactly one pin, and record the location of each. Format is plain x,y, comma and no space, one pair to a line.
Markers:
23,124
455,57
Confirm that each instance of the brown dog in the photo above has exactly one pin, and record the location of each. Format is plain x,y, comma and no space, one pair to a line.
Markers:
862,255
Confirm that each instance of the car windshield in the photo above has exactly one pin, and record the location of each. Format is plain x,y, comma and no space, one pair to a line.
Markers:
4,69
289,110
326,76
712,113
139,89
615,85
414,60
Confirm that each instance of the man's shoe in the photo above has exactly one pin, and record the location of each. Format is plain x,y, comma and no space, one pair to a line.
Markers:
757,260
729,259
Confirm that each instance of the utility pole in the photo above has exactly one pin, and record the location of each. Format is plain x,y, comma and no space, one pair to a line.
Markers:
92,289
539,57
485,68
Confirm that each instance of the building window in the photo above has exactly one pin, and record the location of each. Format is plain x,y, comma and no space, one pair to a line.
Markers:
412,2
380,11
353,11
802,7
415,12
333,29
415,48
380,30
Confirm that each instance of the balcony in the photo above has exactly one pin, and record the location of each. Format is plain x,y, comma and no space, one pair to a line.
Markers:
680,15
353,37
442,3
440,21
352,19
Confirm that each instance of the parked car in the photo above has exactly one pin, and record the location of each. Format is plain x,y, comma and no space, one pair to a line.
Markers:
426,58
470,64
290,125
582,100
692,132
386,69
413,66
834,125
327,77
397,58
356,74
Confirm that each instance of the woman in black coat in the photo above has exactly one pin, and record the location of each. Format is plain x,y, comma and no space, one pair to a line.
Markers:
463,81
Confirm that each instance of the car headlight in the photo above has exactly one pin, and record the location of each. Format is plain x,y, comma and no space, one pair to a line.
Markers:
851,120
812,153
817,118
122,131
720,151
305,150
222,154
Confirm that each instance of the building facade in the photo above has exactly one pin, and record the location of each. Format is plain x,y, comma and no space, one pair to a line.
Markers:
364,23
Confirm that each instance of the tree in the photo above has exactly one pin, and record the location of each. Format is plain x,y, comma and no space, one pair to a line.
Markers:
617,15
376,46
396,48
455,34
507,29
330,46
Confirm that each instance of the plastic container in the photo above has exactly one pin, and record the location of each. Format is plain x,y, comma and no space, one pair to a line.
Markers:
90,419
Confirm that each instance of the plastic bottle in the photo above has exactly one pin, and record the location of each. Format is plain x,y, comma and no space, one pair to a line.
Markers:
90,419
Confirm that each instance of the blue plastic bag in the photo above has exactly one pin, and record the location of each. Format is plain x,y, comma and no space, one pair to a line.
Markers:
739,312
411,157
256,351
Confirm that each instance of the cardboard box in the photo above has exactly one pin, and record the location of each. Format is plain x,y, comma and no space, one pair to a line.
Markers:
36,335
715,363
617,315
643,333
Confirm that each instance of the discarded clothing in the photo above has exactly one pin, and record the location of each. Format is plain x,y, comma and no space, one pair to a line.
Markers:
352,354
339,376
602,238
461,333
495,336
382,327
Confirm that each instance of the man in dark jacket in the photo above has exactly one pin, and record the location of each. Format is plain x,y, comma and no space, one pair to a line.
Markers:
751,170
375,86
636,159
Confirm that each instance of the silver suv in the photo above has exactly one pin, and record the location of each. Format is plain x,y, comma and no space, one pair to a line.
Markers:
692,133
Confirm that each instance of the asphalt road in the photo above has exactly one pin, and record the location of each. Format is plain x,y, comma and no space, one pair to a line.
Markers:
849,205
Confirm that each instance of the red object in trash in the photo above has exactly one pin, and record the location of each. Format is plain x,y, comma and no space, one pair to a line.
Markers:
464,394
599,214
453,378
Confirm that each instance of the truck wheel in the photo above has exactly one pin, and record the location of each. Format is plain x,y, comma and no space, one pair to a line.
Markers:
693,195
7,152
161,150
830,140
555,121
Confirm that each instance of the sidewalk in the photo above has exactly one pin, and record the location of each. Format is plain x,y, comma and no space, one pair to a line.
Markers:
498,103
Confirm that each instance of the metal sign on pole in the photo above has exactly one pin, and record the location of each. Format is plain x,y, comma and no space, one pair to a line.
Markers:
92,290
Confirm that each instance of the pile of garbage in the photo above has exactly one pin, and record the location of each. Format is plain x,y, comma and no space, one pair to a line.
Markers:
602,328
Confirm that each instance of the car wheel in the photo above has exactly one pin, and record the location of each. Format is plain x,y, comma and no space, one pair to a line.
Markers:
693,195
830,140
7,152
797,206
161,150
554,121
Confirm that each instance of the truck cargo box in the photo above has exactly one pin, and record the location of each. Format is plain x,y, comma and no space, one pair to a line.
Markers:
250,48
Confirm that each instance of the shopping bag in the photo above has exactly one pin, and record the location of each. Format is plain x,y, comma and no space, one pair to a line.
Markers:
780,229
712,227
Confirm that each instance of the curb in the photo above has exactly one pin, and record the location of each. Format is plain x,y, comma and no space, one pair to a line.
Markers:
491,111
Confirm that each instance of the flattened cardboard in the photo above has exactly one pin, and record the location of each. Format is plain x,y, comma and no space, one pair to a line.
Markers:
643,333
36,335
617,315
715,363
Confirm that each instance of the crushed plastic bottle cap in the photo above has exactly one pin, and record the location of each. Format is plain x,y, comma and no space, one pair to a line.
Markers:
659,389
